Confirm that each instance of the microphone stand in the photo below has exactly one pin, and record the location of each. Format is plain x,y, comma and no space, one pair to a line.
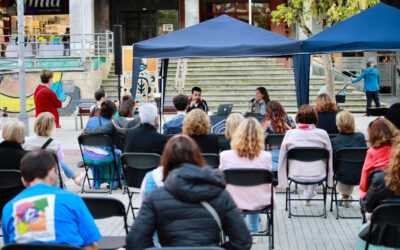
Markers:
339,98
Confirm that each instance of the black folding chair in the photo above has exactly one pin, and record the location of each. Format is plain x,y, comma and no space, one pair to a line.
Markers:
354,155
186,248
274,140
248,177
135,166
212,160
384,215
307,154
58,167
106,207
40,247
99,140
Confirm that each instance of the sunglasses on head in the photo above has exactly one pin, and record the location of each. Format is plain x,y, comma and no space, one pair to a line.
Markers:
370,124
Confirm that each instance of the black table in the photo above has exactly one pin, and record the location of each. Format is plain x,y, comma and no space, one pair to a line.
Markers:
218,122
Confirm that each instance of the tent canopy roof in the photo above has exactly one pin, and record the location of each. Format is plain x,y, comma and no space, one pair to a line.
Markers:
222,36
375,29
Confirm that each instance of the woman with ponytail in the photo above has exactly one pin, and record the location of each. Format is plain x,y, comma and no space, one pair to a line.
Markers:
384,186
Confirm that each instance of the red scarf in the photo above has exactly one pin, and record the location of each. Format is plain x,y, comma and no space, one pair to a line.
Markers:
306,126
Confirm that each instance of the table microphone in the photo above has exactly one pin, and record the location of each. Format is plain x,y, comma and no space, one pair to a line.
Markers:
252,100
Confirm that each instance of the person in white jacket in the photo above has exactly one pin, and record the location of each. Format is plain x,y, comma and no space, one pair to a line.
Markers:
305,135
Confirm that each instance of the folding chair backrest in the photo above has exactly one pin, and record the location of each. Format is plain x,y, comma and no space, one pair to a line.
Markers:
106,207
248,176
95,140
351,154
221,137
212,160
10,178
308,154
387,213
40,247
274,139
141,160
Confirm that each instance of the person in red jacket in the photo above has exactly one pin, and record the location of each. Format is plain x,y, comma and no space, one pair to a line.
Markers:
382,134
45,98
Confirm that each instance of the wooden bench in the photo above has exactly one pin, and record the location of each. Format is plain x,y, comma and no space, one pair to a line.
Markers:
83,109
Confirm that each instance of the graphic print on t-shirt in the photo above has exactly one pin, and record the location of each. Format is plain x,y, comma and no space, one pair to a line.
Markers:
34,219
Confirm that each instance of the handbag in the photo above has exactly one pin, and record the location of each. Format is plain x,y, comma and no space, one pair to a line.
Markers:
223,243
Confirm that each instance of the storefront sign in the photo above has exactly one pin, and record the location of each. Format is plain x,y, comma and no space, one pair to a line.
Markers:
44,7
354,64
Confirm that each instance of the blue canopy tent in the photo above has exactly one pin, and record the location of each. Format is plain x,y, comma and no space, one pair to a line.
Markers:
222,36
375,29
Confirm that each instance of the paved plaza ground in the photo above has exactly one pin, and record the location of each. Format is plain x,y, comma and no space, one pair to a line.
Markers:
294,233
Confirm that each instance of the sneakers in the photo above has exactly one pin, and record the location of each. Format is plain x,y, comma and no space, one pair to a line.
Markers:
78,180
344,201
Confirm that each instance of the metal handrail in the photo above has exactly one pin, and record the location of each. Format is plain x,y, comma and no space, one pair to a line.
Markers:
338,72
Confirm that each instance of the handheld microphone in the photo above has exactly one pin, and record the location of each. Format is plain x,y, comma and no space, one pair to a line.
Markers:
252,100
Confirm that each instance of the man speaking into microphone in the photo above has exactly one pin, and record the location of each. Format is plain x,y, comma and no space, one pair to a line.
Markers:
195,101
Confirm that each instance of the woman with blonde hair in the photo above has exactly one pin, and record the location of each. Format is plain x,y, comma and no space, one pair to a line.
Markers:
248,152
11,151
348,173
232,123
384,186
197,125
326,110
44,133
382,134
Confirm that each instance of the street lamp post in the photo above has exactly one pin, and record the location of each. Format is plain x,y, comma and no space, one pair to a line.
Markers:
21,66
250,12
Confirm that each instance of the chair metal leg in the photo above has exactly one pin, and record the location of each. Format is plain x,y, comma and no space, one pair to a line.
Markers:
80,115
333,190
286,199
325,190
289,203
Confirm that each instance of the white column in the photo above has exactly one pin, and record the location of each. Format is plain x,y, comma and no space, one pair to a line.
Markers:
81,22
192,12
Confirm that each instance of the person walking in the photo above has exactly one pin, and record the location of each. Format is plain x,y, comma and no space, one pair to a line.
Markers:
371,85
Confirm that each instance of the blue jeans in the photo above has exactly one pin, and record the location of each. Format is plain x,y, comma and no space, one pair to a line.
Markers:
253,222
68,172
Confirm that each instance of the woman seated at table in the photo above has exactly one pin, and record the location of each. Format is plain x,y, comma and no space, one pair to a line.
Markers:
100,158
276,122
326,110
248,152
232,123
260,102
348,173
384,186
305,135
197,125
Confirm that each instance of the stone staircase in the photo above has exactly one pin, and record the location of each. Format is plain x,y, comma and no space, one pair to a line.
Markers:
110,84
234,80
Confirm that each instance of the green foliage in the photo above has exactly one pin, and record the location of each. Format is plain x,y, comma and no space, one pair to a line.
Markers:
326,12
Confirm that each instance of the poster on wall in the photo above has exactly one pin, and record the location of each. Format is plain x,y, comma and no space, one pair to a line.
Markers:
147,81
43,7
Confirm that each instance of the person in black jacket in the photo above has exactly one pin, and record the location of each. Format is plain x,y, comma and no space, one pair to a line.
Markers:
11,153
175,210
384,186
326,110
195,101
144,138
197,125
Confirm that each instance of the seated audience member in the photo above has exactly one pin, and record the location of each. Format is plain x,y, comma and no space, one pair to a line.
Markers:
43,139
326,110
45,214
175,210
232,123
126,120
144,139
393,114
381,134
305,135
384,186
11,153
174,126
197,125
195,101
11,150
248,152
348,173
276,122
100,158
100,96
261,100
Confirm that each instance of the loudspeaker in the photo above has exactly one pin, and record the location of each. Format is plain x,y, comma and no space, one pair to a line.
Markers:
118,49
